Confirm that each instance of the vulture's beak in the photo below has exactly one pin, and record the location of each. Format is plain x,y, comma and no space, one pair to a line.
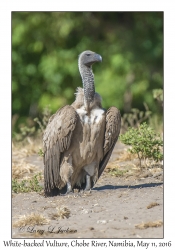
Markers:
98,58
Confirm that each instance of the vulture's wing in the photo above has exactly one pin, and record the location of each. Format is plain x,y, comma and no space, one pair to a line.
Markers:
57,139
113,123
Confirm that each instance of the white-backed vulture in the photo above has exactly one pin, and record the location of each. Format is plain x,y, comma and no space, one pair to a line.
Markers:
79,138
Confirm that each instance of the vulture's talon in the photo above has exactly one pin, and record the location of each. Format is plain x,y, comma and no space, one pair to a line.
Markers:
67,193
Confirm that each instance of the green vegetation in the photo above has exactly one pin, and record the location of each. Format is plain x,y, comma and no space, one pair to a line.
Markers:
144,142
40,152
45,49
158,95
38,127
117,172
135,118
26,186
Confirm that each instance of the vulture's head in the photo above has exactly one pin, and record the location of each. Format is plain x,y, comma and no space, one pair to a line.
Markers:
87,58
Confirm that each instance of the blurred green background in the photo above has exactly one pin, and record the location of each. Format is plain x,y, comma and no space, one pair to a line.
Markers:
45,49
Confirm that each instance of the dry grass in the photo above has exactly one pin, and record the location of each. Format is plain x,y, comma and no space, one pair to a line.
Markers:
62,213
21,168
112,165
156,169
149,224
122,157
21,149
153,204
126,156
30,220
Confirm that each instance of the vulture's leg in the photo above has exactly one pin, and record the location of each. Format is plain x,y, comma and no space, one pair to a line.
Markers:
66,172
88,182
90,170
69,188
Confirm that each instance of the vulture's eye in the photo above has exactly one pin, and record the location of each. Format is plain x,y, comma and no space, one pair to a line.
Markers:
88,54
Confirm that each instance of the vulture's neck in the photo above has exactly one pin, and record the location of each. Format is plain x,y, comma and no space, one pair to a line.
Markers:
88,85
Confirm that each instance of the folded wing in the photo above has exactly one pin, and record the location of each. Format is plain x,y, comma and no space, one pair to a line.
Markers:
113,124
56,140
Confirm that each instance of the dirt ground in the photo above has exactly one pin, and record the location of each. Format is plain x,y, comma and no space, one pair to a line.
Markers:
128,205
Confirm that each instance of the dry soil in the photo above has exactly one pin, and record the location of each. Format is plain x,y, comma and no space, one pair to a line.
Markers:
129,205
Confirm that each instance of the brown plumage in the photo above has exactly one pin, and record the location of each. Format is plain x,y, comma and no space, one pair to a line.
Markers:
79,138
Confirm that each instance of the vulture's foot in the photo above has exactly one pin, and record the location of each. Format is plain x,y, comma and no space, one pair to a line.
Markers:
88,183
69,190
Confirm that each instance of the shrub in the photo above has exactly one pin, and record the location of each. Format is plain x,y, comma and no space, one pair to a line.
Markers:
135,117
144,142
